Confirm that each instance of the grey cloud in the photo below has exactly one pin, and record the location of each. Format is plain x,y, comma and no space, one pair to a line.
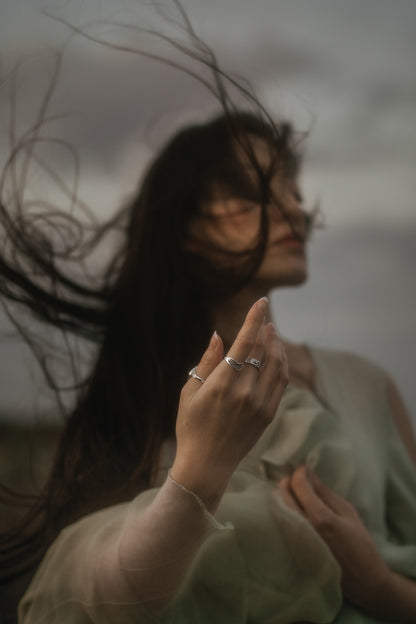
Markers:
337,52
114,99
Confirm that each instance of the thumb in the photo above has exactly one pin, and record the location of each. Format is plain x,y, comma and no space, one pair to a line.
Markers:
338,504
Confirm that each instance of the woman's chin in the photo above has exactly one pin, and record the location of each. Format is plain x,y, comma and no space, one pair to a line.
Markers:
284,279
300,278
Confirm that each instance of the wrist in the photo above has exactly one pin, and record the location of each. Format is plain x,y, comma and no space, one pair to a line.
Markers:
394,596
206,483
400,598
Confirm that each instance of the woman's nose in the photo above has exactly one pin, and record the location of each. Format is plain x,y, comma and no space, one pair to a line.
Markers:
291,212
292,208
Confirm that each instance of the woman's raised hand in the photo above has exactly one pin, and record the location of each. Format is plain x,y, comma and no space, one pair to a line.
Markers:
220,419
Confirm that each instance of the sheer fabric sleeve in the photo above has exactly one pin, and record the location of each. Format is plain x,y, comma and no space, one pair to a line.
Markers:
124,563
163,558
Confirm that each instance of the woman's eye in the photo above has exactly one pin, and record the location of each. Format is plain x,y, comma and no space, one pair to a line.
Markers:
231,208
246,208
239,208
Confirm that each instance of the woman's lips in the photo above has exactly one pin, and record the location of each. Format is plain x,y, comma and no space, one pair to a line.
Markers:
290,241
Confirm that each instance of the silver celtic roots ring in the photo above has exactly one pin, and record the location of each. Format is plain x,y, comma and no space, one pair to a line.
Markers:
192,373
253,362
234,363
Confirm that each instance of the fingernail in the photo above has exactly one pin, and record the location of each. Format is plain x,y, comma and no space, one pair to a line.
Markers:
264,299
272,327
214,340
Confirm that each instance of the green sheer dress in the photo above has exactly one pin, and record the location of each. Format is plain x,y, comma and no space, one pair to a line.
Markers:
253,566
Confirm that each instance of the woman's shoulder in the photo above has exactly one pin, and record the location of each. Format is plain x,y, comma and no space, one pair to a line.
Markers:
340,361
353,385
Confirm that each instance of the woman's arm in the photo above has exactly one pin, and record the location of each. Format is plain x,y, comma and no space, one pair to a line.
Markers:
131,561
366,579
158,545
218,422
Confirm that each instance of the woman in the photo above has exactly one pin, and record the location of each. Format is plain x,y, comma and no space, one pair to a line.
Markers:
217,223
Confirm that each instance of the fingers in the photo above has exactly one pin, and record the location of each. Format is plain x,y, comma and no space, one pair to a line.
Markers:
280,385
274,374
250,342
298,494
247,336
335,502
324,508
318,513
258,350
287,496
210,360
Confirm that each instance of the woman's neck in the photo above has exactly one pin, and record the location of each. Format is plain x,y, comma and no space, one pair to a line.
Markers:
228,317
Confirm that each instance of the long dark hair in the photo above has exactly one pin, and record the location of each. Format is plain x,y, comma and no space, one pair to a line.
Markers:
149,316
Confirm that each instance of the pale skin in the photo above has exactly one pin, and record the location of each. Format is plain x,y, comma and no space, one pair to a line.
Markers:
367,581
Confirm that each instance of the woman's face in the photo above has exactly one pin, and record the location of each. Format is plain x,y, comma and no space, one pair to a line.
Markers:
232,224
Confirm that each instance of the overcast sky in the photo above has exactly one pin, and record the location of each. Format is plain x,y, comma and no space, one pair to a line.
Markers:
343,69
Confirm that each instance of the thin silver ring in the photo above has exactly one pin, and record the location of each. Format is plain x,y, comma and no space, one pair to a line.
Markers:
254,362
234,363
192,373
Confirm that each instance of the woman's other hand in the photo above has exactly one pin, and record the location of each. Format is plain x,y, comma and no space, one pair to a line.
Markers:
220,419
367,581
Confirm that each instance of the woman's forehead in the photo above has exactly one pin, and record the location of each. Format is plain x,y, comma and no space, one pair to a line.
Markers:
259,156
253,150
253,164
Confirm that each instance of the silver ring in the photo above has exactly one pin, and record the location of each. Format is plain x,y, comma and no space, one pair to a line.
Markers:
253,362
234,363
192,373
